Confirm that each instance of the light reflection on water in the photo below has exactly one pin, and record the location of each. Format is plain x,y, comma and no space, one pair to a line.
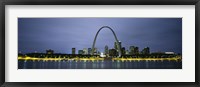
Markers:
108,64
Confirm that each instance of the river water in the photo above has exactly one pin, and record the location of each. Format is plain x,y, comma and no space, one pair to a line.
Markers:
106,64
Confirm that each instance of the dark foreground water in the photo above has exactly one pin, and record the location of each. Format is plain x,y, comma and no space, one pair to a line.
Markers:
99,64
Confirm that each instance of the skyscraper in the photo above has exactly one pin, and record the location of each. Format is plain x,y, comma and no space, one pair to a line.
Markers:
120,44
90,51
133,50
106,50
73,50
146,50
123,50
136,50
116,46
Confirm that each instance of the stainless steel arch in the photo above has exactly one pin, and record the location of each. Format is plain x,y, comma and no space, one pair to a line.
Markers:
104,27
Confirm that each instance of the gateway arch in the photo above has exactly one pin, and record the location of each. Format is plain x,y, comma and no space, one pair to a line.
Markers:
106,27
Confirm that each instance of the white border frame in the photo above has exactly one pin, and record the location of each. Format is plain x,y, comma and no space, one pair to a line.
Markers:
186,74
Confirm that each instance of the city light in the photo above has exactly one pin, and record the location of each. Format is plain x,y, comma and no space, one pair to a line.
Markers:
99,59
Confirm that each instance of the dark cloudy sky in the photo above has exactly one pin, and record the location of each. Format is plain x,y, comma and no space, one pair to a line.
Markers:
62,34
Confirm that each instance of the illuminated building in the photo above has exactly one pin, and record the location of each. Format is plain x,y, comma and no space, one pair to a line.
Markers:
90,51
112,52
85,51
73,50
123,51
115,45
133,50
80,52
106,51
49,51
102,55
127,52
95,51
169,53
136,50
146,50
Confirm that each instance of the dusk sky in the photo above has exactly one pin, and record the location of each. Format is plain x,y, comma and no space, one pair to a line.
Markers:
63,34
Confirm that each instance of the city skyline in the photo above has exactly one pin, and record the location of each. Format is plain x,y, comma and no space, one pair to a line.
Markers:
63,34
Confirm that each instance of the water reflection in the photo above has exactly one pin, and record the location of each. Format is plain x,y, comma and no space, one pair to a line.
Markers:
99,64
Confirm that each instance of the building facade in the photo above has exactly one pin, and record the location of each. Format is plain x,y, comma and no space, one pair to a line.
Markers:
85,51
106,50
73,50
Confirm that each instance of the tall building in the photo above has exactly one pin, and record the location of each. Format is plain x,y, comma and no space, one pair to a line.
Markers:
120,45
133,50
85,51
127,52
73,50
123,50
90,51
106,51
95,51
136,50
80,52
49,51
146,50
116,47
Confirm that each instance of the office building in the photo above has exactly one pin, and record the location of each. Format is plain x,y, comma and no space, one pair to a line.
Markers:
80,52
146,50
112,52
116,47
123,50
85,51
133,50
90,51
106,51
73,50
95,51
127,52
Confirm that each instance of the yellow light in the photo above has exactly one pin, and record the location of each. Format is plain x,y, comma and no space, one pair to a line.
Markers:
100,59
